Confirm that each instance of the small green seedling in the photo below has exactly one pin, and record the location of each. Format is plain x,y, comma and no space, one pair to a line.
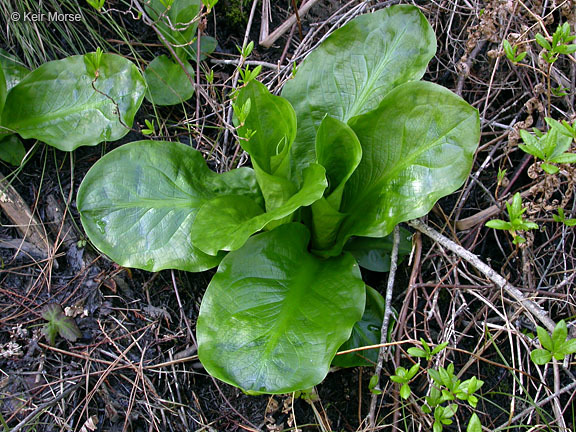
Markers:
96,4
404,376
511,52
246,50
426,352
560,43
149,129
59,323
552,147
517,222
501,175
373,385
248,75
553,346
561,218
443,416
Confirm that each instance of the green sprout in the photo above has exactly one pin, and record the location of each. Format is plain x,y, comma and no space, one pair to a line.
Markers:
553,346
517,222
511,52
149,129
96,4
426,352
561,218
560,43
551,147
404,376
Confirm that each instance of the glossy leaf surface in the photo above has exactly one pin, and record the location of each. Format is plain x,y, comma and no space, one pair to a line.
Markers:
14,70
366,332
374,253
339,152
177,24
355,67
167,82
12,150
63,105
274,315
142,214
418,146
225,223
3,89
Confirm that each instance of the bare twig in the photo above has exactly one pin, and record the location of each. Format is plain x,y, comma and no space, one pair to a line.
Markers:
490,273
384,330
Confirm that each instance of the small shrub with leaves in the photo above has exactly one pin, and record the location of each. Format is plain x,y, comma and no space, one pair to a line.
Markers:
555,345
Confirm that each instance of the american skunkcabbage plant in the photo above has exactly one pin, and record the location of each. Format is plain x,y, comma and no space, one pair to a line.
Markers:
355,145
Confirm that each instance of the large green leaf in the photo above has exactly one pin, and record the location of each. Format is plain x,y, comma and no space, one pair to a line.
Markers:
3,89
225,223
366,332
177,24
167,82
374,253
138,203
14,70
418,146
274,315
63,104
354,68
11,149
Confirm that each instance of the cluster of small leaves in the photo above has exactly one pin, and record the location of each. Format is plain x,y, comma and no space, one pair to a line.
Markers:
560,43
449,389
553,346
551,147
446,388
511,52
561,218
404,376
516,223
426,351
59,324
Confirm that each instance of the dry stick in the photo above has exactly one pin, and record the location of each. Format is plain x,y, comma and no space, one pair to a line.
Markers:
530,409
384,330
490,273
42,407
269,40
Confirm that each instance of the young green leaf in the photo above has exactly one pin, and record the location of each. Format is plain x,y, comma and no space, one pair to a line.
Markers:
474,424
540,356
59,324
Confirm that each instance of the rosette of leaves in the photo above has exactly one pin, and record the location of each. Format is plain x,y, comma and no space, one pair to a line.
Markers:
355,145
